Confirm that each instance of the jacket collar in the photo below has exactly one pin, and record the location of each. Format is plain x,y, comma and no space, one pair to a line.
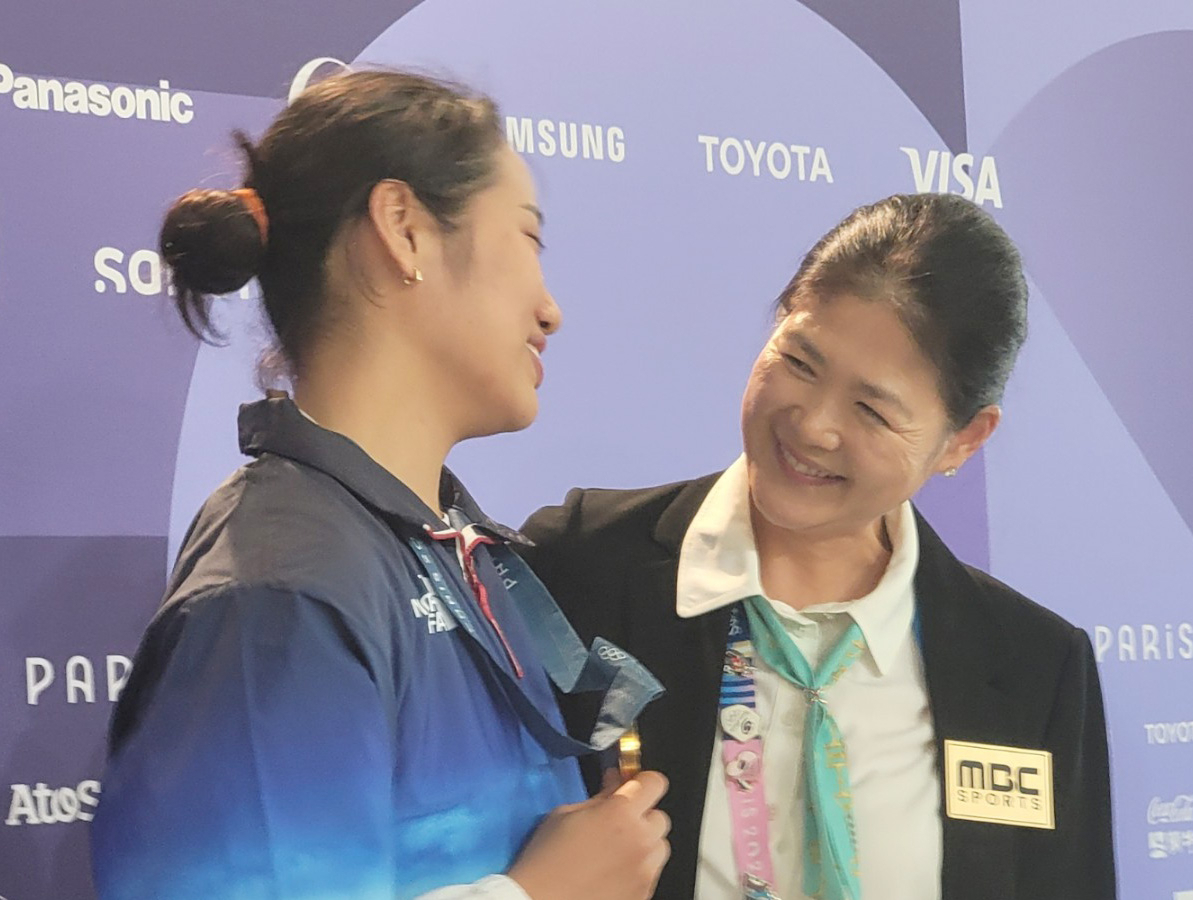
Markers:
277,426
961,636
673,524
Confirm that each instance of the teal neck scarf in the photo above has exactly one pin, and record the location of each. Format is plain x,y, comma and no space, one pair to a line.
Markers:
830,844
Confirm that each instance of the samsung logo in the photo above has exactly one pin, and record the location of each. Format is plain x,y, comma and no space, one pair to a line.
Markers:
571,140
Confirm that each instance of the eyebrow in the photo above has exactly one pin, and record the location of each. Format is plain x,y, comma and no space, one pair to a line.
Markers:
874,392
810,349
531,208
871,391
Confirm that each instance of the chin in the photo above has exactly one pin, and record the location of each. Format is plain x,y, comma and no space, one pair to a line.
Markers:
792,516
501,417
522,422
793,507
520,416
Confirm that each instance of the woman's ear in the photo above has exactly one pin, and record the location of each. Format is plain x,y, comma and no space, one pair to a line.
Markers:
400,222
969,439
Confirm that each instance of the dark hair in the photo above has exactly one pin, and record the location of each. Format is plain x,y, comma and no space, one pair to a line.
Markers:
951,273
314,170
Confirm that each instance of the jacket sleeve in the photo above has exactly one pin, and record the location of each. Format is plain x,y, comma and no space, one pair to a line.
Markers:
255,760
555,531
1079,863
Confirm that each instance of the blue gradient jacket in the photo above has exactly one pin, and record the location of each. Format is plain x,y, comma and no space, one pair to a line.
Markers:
304,718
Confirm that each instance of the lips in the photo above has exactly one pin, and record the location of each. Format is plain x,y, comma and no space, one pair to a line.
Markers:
536,357
803,470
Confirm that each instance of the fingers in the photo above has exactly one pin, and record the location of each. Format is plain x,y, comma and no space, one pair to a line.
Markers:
566,808
655,862
610,782
658,824
643,790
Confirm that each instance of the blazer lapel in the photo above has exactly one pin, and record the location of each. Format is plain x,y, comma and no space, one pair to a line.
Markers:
963,651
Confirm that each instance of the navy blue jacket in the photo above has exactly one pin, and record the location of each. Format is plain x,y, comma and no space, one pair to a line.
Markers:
304,717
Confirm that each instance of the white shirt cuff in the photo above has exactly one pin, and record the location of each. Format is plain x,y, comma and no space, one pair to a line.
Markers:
494,887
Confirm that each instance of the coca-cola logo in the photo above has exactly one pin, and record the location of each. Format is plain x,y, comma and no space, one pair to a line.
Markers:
1179,809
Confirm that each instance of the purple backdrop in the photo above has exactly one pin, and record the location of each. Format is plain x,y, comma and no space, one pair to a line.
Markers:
714,143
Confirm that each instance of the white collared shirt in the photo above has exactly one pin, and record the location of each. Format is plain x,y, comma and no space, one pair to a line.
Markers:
880,704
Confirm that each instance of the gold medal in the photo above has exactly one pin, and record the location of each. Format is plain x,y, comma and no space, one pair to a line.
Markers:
629,757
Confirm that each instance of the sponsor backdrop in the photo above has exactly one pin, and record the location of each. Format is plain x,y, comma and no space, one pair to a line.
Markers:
687,154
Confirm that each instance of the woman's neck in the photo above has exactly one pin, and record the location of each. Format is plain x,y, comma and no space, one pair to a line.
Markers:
801,570
396,418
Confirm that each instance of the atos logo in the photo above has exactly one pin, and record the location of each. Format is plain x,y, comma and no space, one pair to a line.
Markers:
40,804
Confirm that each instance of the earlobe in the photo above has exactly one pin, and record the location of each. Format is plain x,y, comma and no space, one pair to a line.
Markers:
969,440
393,212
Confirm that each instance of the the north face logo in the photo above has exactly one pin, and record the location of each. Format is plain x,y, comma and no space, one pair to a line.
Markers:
429,607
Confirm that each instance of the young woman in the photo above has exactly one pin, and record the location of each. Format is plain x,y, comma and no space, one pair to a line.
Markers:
851,711
347,690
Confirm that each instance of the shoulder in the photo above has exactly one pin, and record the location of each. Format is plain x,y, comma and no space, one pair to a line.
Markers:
276,525
586,550
988,601
1045,646
987,625
1030,620
603,516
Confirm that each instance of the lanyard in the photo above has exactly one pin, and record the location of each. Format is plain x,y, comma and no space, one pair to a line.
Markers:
626,683
741,753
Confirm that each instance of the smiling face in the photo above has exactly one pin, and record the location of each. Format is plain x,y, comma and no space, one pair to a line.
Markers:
493,309
843,418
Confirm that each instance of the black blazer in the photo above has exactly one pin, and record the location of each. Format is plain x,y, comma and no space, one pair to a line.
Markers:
1000,670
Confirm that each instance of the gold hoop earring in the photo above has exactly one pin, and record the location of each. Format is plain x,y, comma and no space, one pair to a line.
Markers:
418,277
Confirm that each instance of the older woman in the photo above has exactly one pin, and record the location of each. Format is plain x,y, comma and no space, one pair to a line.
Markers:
851,711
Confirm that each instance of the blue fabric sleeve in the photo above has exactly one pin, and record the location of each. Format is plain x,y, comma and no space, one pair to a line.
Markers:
258,763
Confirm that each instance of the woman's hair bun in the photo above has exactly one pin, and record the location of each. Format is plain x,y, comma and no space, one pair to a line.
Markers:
212,244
